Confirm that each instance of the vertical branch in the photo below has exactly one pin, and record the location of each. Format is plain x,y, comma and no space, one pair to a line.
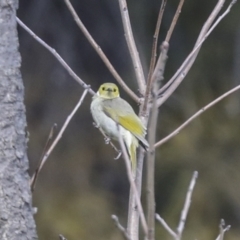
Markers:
157,76
132,46
133,214
153,58
155,39
133,187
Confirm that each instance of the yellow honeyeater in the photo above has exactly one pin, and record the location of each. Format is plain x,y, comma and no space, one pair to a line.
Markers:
114,115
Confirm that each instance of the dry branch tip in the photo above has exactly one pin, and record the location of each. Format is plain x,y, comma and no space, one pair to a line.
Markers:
120,227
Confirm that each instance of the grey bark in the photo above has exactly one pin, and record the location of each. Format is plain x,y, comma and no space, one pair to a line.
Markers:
16,218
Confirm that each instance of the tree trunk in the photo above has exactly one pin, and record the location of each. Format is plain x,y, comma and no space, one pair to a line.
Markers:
16,215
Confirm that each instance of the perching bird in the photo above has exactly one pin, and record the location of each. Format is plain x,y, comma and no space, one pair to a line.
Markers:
113,115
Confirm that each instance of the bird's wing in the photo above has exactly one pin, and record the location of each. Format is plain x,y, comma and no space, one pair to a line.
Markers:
129,123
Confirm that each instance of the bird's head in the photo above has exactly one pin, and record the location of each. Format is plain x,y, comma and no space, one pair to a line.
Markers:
108,91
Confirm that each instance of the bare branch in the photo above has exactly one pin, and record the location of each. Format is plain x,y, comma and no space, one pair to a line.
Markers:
35,175
132,184
53,145
61,237
153,58
222,229
178,77
158,71
132,46
202,110
174,21
133,214
165,225
157,76
169,34
99,51
120,227
155,39
57,56
187,204
180,228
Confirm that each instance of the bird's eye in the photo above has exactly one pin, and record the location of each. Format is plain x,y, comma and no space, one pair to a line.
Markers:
114,89
103,88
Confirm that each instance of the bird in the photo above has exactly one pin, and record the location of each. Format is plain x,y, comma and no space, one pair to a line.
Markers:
115,115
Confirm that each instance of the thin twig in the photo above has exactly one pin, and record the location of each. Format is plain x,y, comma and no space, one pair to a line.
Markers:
202,110
186,206
165,225
132,184
120,227
132,47
35,175
222,229
178,77
155,39
174,21
61,237
153,57
152,139
57,56
58,137
206,30
99,51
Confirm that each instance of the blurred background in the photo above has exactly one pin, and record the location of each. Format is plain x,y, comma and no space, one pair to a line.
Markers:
81,185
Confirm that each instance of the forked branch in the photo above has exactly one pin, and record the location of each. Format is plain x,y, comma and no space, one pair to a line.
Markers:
153,69
178,234
222,229
153,58
166,91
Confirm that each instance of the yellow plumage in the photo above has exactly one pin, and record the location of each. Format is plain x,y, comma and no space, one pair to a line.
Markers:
109,110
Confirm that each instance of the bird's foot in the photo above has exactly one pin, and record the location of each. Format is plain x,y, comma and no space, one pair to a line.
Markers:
119,155
107,140
95,125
